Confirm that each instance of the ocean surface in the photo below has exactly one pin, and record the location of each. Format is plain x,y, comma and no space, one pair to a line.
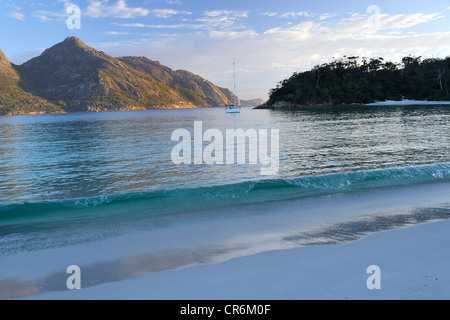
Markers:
100,190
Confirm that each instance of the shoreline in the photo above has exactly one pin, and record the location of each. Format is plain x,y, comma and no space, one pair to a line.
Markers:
413,262
260,107
103,111
317,106
305,244
380,103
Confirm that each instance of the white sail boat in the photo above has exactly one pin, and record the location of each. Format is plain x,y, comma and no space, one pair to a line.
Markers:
234,108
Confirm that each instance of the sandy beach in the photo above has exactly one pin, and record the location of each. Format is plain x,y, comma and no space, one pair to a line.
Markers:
407,102
414,264
286,253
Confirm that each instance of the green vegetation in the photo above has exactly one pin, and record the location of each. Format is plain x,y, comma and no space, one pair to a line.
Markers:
251,103
355,80
191,87
14,100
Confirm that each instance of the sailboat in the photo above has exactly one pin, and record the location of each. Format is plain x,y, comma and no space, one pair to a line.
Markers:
234,108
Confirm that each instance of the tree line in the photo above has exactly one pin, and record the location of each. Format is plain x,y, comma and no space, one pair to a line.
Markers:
355,80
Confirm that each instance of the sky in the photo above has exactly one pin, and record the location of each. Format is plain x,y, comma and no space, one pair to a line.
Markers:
268,40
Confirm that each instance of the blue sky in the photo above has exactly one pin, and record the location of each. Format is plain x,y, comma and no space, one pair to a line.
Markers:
268,39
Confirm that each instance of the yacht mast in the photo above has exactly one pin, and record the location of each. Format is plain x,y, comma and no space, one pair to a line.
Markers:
234,93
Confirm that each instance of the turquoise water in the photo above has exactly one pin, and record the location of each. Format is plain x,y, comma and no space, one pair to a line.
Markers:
101,190
77,156
83,167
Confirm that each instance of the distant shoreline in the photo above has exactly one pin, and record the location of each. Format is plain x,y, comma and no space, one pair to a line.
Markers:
312,106
380,103
103,111
260,107
408,103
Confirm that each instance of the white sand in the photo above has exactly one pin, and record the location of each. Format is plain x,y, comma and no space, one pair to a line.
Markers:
408,103
414,262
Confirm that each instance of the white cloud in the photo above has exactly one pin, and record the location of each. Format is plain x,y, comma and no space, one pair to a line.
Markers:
174,2
223,19
326,16
105,9
269,14
100,9
162,26
17,15
164,13
288,15
45,16
227,13
265,58
403,21
116,33
293,14
133,25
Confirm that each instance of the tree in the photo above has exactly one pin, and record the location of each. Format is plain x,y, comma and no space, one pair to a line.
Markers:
352,79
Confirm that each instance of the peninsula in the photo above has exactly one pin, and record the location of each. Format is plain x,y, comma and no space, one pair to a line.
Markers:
360,81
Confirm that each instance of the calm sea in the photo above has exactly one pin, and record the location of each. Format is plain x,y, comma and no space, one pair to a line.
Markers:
79,156
82,179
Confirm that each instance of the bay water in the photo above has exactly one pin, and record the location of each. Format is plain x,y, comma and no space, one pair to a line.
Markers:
71,180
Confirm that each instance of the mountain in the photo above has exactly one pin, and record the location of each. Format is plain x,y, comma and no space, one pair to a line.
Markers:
81,78
6,68
252,103
14,100
196,89
72,76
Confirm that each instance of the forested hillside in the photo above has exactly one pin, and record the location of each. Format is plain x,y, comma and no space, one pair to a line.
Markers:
353,80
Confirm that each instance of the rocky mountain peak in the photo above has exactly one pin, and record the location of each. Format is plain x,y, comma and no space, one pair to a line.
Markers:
73,77
3,59
72,51
6,68
74,41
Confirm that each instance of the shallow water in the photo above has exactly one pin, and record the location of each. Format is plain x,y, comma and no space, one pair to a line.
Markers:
101,191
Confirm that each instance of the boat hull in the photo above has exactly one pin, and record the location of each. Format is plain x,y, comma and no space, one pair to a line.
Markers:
233,110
